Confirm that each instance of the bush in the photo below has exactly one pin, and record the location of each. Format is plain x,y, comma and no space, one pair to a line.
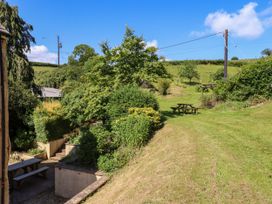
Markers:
218,75
129,97
250,81
208,101
50,125
116,160
87,148
24,140
132,131
234,58
189,71
163,86
153,115
105,139
84,104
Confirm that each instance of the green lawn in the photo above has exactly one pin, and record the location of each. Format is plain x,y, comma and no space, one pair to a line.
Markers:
222,155
41,68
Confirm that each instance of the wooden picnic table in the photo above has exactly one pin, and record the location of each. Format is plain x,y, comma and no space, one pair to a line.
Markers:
23,165
185,108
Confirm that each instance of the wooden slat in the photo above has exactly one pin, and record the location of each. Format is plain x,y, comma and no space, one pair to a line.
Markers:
32,173
25,163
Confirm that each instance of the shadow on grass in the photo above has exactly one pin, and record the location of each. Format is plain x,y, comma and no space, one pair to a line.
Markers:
193,83
169,114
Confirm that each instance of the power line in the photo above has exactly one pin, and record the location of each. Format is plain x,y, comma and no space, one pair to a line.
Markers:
189,41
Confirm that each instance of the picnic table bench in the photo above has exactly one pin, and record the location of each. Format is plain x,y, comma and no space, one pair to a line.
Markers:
29,167
184,108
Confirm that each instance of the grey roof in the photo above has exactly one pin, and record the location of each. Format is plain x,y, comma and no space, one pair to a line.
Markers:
50,93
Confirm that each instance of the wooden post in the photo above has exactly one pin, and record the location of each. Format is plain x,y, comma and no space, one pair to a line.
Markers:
226,35
4,117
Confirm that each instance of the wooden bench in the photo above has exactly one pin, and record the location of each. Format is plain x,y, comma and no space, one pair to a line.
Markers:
174,109
41,171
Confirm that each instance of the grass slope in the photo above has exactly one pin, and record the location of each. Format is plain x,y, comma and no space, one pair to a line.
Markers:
223,155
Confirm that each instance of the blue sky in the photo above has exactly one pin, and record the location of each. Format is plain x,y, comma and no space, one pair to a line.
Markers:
161,22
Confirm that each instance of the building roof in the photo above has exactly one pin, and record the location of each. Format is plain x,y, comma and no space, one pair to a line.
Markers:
50,93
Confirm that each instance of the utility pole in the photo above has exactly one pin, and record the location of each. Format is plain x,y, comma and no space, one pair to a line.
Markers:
226,50
59,46
4,118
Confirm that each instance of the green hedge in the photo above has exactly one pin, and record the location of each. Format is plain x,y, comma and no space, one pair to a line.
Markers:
129,97
49,126
254,80
132,131
235,63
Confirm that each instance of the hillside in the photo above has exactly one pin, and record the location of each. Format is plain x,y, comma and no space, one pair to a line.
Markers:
221,155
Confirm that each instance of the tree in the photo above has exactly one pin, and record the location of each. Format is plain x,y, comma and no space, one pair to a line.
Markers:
234,58
218,75
189,71
21,99
266,52
81,54
132,62
18,44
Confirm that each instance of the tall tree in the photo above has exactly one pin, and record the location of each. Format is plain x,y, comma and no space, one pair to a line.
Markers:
189,71
266,52
18,44
21,99
81,54
130,63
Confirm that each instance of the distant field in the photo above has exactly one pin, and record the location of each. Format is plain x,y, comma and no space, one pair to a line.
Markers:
204,70
43,68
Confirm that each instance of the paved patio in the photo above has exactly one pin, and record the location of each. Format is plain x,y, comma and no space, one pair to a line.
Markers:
38,190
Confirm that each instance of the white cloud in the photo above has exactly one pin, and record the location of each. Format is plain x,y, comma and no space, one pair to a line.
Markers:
244,23
40,53
199,34
153,43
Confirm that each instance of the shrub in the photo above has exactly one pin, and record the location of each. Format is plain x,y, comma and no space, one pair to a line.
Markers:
252,80
128,97
153,115
105,139
50,125
84,103
163,86
234,58
116,160
24,140
189,71
87,148
132,131
208,101
218,75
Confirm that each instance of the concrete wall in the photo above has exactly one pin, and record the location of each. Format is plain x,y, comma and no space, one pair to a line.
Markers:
69,182
52,147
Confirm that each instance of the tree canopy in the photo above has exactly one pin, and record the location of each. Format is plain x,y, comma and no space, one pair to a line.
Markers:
132,62
266,52
189,71
81,54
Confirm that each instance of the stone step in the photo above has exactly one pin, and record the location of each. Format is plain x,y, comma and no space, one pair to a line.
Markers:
55,158
60,154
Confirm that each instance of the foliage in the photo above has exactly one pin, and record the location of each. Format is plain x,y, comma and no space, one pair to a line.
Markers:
234,58
129,63
43,64
189,71
21,105
86,152
111,162
234,63
35,151
50,125
154,116
105,139
267,52
24,140
81,54
252,80
208,101
132,130
129,97
84,103
18,44
163,86
218,75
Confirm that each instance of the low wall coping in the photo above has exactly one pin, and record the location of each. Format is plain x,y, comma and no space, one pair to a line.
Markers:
88,191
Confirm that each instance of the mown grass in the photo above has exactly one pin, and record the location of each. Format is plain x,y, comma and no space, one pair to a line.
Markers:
43,68
222,155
